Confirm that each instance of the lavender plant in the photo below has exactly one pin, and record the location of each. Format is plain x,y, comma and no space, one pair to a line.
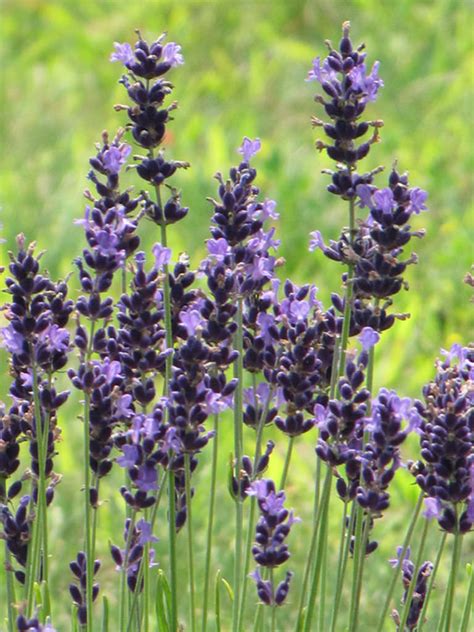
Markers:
156,342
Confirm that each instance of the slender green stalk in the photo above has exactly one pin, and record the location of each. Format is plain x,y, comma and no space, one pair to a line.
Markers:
411,588
287,462
238,400
248,547
187,478
469,601
344,547
348,296
396,570
431,582
322,595
145,564
7,566
172,551
273,607
361,536
123,574
210,523
445,621
38,549
171,490
320,518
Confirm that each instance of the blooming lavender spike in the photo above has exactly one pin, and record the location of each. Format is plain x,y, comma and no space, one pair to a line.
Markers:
420,589
273,527
445,471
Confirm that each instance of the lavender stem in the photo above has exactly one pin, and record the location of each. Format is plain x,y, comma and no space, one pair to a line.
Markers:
395,574
238,372
187,474
344,545
469,599
445,621
210,522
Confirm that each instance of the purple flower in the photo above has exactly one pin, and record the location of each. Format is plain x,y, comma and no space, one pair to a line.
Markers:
383,200
12,340
56,338
162,255
368,84
321,73
123,53
115,157
217,248
364,191
147,479
268,210
417,200
191,319
130,456
145,534
171,54
249,148
316,241
433,508
368,338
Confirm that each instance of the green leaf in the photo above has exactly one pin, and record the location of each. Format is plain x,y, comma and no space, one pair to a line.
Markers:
228,587
163,602
218,601
46,599
105,614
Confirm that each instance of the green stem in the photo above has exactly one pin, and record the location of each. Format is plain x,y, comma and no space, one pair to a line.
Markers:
172,551
445,621
339,575
411,588
396,570
361,536
187,478
348,296
273,624
317,531
238,400
345,542
322,596
421,618
469,601
146,584
210,523
287,463
123,573
39,538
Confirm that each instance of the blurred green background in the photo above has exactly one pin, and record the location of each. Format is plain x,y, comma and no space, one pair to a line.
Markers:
244,75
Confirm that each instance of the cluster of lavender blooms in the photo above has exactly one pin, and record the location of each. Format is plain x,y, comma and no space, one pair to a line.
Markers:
445,472
78,590
131,557
38,343
373,247
420,589
270,550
